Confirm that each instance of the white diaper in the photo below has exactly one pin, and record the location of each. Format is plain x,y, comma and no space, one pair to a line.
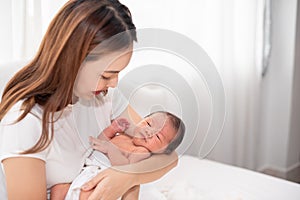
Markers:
87,174
94,164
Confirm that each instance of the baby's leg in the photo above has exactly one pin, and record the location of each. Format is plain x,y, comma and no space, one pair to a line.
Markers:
84,195
132,193
59,191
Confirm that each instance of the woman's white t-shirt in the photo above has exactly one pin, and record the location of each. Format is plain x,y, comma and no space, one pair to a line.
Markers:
65,155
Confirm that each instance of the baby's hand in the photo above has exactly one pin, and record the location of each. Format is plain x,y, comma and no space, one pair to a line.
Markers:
120,124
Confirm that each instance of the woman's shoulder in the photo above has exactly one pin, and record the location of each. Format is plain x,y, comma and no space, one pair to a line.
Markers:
16,110
19,135
32,119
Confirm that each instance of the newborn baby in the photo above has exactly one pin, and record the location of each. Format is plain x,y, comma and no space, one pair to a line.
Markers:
159,132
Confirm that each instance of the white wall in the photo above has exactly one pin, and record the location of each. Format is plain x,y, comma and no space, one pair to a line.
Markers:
6,31
277,89
23,24
294,137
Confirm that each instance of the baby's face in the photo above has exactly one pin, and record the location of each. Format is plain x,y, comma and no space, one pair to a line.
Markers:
154,133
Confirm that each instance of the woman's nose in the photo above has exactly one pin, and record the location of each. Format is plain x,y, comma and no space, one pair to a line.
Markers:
112,83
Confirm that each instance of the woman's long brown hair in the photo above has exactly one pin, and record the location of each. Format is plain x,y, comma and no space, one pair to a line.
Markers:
49,78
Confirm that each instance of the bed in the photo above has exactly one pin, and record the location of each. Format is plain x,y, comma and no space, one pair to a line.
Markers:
196,179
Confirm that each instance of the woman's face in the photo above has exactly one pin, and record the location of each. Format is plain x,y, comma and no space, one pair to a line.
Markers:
154,132
96,76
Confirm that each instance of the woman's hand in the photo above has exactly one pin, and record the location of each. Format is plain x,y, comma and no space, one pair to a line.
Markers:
110,184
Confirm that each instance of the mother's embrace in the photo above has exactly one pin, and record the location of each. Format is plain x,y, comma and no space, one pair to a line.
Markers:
39,143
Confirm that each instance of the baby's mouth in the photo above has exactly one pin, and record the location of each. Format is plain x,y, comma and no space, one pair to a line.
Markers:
141,136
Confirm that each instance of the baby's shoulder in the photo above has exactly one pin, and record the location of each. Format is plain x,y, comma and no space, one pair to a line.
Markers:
121,137
138,154
122,141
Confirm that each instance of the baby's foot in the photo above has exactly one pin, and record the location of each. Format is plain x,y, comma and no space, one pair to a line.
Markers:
120,124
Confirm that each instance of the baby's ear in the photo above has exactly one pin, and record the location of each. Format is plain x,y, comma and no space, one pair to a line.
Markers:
164,150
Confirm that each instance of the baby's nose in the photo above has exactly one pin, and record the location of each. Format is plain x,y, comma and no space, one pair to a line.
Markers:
147,132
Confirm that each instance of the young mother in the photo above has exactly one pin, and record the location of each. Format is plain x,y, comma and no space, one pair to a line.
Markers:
39,143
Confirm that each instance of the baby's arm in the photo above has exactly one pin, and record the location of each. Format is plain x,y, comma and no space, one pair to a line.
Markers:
59,191
117,126
100,144
114,154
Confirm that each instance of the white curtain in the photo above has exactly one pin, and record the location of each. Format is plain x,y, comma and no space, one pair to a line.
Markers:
231,33
24,23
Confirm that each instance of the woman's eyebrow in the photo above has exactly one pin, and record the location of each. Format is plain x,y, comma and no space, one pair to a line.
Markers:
111,71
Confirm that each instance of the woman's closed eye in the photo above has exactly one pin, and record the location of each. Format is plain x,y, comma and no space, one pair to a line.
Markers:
105,78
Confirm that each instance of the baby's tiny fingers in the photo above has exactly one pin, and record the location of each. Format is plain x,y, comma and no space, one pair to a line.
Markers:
122,121
95,141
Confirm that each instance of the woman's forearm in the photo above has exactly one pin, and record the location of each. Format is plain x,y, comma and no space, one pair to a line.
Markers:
152,168
113,182
154,175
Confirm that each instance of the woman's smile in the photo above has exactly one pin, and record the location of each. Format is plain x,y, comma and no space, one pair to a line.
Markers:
97,92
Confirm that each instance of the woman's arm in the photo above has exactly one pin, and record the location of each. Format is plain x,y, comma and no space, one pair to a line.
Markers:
150,169
132,193
25,178
114,182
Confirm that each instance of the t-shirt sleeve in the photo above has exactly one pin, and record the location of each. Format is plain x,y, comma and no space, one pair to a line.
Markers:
16,137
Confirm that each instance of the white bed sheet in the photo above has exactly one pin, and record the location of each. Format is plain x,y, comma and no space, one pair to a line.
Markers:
195,179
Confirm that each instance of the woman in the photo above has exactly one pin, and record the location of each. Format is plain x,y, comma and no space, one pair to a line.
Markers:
39,143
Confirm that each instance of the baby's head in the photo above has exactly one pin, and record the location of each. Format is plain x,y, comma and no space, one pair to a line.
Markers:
159,132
